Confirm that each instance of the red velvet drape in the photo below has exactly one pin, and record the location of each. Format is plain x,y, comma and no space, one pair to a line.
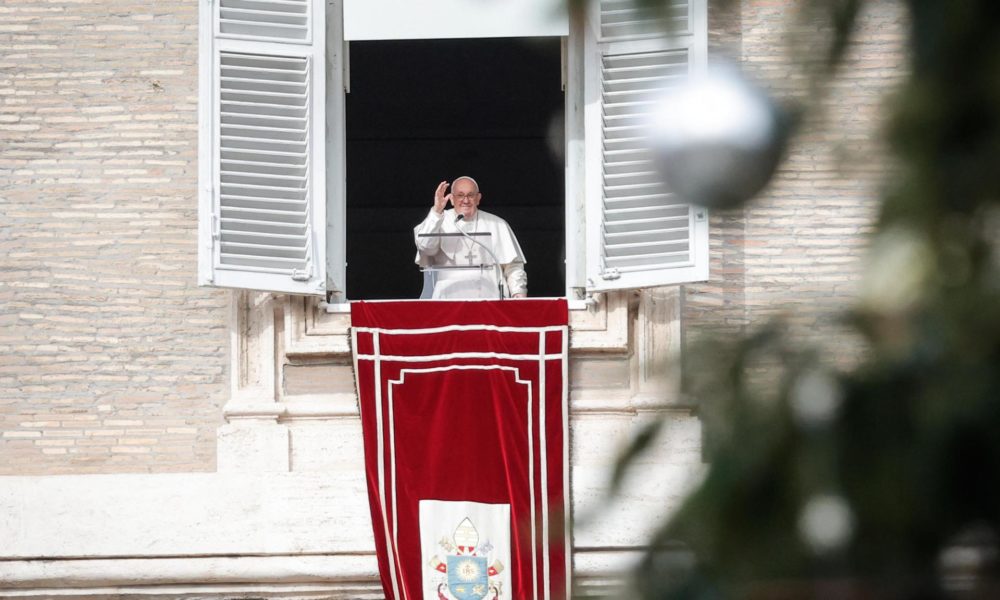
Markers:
466,401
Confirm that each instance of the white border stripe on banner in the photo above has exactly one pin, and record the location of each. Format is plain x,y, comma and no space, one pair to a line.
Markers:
389,541
544,459
568,554
531,494
433,357
531,460
392,471
445,328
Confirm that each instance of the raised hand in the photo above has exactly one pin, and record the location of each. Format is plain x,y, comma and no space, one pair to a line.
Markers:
440,199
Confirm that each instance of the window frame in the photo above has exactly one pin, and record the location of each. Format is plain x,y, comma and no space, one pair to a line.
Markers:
582,163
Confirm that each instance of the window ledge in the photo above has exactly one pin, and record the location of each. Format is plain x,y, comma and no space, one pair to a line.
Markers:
317,328
337,308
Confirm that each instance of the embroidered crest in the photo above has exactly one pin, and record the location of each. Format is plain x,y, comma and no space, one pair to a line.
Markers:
469,570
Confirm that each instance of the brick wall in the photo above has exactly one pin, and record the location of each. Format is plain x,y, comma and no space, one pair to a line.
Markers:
111,358
719,306
798,249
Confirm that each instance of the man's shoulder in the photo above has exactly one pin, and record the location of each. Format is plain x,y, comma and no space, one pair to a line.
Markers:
488,216
433,216
503,228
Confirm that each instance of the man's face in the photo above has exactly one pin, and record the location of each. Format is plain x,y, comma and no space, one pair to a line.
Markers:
465,198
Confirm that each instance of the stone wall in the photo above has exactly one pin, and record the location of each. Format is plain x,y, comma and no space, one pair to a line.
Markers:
111,358
806,236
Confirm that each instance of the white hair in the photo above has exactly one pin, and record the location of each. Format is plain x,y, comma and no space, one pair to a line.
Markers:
467,178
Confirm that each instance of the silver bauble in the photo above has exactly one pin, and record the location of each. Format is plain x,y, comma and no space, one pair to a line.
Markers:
717,138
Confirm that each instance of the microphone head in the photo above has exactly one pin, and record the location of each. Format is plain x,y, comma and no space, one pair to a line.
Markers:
459,218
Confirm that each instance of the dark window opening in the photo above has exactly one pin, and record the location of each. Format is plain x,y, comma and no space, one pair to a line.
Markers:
423,111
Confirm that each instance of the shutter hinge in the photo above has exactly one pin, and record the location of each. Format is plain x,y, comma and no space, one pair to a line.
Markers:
611,274
593,300
300,275
216,230
699,215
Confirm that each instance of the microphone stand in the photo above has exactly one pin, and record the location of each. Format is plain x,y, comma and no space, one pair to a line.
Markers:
496,263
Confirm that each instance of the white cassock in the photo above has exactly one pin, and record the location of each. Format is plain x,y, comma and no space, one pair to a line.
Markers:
456,251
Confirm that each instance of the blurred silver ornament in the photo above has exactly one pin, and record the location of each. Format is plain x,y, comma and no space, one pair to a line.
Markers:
826,523
717,138
815,398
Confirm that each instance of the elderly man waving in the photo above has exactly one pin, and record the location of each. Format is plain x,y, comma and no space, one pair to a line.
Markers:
461,251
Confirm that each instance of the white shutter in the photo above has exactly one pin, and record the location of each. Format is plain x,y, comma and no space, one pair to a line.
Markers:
638,233
279,20
623,19
262,163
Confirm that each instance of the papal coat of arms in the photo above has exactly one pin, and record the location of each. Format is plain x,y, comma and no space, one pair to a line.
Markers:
469,570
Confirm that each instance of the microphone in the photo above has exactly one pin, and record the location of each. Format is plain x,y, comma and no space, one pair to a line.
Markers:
496,263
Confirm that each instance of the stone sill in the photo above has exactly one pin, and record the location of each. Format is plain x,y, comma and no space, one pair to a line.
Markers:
299,577
333,571
314,328
332,406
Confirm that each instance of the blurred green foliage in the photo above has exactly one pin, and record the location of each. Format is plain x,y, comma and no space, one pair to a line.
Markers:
882,481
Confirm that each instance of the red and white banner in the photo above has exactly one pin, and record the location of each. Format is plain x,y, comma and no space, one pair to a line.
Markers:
464,409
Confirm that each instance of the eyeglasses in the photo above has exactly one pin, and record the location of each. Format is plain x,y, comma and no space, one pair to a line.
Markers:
464,196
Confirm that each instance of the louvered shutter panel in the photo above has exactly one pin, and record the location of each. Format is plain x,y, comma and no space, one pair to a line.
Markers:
639,233
624,20
278,20
262,164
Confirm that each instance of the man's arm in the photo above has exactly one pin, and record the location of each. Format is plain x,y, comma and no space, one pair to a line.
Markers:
432,223
429,246
517,279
